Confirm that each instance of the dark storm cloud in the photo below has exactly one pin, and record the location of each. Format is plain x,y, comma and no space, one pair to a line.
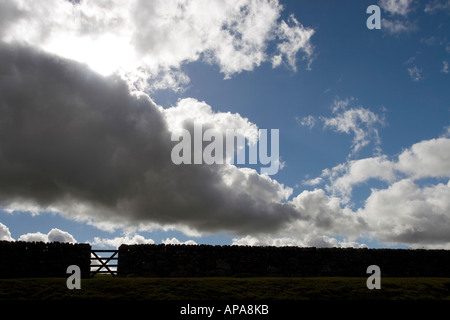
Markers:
75,142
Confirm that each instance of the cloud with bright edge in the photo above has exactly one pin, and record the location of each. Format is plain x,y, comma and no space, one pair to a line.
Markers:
54,235
148,42
118,241
5,234
425,159
175,241
105,128
108,153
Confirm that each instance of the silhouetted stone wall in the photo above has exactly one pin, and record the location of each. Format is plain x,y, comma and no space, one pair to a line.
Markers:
241,261
39,259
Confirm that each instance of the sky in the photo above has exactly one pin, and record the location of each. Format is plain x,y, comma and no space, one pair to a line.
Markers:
102,103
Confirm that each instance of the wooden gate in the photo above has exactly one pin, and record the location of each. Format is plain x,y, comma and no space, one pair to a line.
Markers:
111,268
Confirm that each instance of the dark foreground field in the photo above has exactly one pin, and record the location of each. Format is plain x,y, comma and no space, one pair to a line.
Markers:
190,289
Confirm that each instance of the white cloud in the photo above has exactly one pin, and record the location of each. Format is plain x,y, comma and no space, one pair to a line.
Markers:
425,159
54,235
152,40
406,213
313,182
34,237
403,213
428,158
344,177
399,7
444,67
189,111
437,5
309,121
176,241
5,234
118,241
446,133
359,121
294,38
397,26
325,216
308,241
415,73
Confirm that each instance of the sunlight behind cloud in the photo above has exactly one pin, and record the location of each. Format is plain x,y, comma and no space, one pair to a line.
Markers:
149,41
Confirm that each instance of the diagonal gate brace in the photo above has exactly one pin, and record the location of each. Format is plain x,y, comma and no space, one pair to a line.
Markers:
104,262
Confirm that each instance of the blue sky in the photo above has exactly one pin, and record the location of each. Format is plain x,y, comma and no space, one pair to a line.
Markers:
363,117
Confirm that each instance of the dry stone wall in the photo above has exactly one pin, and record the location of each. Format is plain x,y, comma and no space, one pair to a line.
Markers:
241,261
39,259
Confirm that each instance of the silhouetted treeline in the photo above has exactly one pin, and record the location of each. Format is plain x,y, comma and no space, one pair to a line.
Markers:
39,259
243,261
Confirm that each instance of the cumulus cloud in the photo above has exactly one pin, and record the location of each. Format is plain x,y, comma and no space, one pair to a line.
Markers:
407,213
82,145
327,215
148,42
190,111
309,241
116,242
5,234
176,241
404,212
34,237
54,235
343,177
425,159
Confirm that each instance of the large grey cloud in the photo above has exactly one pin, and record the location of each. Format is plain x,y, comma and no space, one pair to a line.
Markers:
80,144
83,145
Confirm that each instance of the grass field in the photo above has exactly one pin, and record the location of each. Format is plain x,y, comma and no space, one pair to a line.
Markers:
335,288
